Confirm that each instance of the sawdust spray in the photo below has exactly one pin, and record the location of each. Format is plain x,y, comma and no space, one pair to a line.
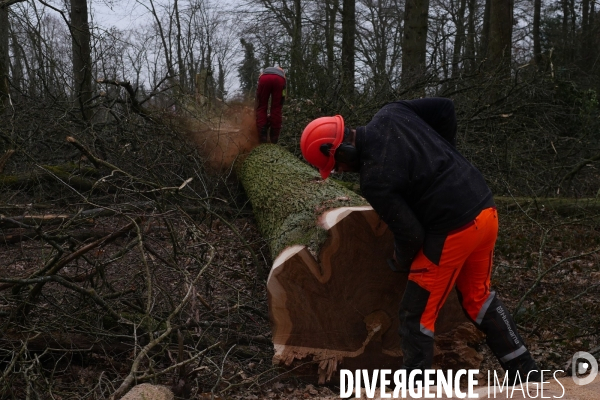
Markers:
225,140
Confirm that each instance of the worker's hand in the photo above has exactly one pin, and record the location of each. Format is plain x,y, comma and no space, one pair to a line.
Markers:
393,263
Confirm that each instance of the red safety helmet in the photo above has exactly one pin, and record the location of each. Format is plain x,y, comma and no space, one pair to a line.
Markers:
324,130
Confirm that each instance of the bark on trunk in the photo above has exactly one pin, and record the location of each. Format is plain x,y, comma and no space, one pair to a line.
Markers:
485,32
537,46
333,300
4,57
296,50
470,45
414,46
500,39
348,46
82,56
459,39
331,8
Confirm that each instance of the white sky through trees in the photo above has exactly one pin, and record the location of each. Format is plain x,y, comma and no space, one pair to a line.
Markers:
133,17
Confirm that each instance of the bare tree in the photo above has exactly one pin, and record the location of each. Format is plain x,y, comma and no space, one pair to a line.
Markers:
331,10
458,17
470,49
485,31
585,15
414,44
566,10
82,60
500,39
537,47
226,46
4,55
277,26
348,45
379,37
296,50
182,69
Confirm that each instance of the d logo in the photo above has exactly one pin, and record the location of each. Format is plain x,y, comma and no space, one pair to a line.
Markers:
580,367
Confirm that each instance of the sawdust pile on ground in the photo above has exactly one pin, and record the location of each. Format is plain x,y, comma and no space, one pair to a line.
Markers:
225,139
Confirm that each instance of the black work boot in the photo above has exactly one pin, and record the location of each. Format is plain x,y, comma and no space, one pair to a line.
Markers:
527,368
274,135
417,346
508,346
264,138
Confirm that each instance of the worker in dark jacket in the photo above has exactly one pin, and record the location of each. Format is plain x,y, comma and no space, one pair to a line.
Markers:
271,84
442,215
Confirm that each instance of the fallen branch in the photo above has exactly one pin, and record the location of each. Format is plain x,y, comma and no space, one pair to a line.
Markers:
135,104
142,354
48,174
22,236
36,290
93,159
91,293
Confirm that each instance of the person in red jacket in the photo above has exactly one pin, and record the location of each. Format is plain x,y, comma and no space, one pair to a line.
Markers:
271,84
442,215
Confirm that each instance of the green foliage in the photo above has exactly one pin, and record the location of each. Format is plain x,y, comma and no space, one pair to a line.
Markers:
249,69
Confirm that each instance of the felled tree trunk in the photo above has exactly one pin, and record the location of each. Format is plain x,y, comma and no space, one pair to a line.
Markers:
333,300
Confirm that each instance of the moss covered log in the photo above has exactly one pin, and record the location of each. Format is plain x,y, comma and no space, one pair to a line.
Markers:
288,196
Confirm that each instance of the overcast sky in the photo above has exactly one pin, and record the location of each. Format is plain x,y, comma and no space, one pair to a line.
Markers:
125,14
131,14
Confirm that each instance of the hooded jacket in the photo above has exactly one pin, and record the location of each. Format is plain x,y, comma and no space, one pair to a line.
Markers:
414,177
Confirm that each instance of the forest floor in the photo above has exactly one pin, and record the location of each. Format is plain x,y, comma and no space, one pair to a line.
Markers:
112,311
549,264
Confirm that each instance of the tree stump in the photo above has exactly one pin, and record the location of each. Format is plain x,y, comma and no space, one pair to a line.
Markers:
333,300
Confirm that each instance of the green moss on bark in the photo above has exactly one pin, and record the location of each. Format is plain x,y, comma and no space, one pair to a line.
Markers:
288,196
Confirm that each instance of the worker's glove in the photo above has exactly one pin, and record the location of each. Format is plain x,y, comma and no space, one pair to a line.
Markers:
395,266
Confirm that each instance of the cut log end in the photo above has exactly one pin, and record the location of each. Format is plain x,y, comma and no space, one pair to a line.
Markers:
341,310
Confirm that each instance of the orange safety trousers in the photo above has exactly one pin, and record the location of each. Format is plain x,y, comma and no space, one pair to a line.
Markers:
465,260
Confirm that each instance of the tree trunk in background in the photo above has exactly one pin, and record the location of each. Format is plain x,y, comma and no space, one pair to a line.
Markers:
4,58
331,8
296,50
565,31
181,67
348,46
537,47
414,42
471,33
588,52
459,39
82,58
221,81
166,47
485,32
585,12
340,308
500,39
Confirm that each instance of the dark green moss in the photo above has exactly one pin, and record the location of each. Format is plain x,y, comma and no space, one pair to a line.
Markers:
288,196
